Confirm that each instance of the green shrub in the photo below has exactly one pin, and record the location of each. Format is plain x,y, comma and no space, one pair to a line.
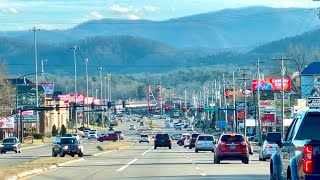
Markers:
54,130
37,136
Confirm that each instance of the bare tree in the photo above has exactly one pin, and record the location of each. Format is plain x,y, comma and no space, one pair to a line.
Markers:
7,93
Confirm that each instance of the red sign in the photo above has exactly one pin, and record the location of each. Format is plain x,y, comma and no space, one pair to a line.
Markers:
89,100
271,84
63,97
6,122
268,118
97,101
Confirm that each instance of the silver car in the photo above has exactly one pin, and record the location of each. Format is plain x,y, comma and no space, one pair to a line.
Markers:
266,150
205,143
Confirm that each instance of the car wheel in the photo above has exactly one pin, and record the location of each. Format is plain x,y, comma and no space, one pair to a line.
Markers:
190,147
139,141
80,154
245,160
196,150
62,154
264,159
216,160
16,151
148,142
212,151
19,151
180,143
72,155
185,146
169,147
54,154
114,140
155,147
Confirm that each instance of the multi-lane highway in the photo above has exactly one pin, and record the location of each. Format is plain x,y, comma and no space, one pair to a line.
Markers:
141,161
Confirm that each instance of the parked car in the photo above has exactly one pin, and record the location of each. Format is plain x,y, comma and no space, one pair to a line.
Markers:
144,138
299,153
231,147
120,134
10,144
205,143
67,145
186,142
162,140
109,137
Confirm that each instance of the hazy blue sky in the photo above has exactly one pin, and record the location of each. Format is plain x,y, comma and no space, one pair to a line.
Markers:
58,14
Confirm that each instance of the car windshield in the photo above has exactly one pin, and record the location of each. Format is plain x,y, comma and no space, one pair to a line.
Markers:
144,136
92,132
195,135
232,138
10,140
205,138
75,134
309,129
68,141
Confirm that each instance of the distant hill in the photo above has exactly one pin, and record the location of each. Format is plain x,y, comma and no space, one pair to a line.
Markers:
229,28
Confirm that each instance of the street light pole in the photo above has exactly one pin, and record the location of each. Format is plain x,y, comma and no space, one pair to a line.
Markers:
74,48
102,114
34,29
42,69
87,95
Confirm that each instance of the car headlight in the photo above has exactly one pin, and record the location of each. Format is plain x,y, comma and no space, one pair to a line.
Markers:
79,146
15,145
65,147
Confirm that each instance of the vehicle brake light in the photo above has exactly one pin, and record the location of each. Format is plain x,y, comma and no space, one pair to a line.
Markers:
268,146
307,161
197,142
244,143
232,135
221,142
155,139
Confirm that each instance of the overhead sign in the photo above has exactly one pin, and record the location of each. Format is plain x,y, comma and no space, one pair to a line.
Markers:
313,102
240,104
271,84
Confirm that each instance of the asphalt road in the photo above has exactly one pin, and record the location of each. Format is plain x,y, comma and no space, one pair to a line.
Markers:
143,162
43,150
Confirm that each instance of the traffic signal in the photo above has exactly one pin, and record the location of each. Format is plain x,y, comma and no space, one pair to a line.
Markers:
92,106
150,108
200,108
109,105
184,108
115,110
123,104
74,106
167,108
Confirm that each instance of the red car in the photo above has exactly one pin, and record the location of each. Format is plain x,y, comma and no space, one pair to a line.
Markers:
232,147
109,137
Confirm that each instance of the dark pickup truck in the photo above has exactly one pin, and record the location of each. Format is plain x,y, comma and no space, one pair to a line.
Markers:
298,156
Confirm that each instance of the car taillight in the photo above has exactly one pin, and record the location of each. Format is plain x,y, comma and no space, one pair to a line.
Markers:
222,143
268,146
155,139
197,142
307,161
244,143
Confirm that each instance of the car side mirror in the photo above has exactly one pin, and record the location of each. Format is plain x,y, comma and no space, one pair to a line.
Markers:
153,137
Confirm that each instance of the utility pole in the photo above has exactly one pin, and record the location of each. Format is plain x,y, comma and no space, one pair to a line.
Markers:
282,59
225,103
34,29
244,78
102,113
257,63
74,48
234,103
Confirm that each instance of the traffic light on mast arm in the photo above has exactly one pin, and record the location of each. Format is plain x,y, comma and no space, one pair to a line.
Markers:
150,109
57,107
167,108
184,108
92,106
200,108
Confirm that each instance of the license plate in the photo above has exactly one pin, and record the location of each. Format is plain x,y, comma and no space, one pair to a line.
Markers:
233,147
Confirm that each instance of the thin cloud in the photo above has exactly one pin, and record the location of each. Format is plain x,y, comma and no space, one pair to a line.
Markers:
149,8
133,17
120,9
95,15
10,10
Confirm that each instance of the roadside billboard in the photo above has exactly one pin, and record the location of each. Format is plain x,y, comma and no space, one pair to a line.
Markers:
310,86
48,87
26,96
6,122
271,84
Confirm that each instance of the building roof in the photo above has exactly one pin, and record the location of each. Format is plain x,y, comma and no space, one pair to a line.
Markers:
312,69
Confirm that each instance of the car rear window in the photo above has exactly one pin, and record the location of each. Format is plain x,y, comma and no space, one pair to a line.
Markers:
230,138
144,135
68,135
162,136
309,127
205,138
118,132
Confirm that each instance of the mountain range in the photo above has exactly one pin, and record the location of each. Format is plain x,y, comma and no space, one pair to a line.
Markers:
230,36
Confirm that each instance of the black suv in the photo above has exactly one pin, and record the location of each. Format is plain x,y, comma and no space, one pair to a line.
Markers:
162,140
66,145
192,140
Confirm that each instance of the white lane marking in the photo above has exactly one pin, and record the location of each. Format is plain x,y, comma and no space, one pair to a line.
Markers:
203,174
128,138
125,166
45,155
197,168
146,151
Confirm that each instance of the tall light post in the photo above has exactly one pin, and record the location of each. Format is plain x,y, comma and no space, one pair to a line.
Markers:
109,87
67,89
102,115
34,29
42,68
74,48
87,95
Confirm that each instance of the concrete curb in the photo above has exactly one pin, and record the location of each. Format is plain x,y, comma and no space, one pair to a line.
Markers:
36,171
110,151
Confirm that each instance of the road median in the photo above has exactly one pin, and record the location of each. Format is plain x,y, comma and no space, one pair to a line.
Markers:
113,146
35,166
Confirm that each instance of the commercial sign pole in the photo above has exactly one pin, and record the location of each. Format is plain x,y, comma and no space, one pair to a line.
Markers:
74,48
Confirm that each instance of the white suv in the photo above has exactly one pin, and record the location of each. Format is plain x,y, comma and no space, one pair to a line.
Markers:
85,133
144,138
